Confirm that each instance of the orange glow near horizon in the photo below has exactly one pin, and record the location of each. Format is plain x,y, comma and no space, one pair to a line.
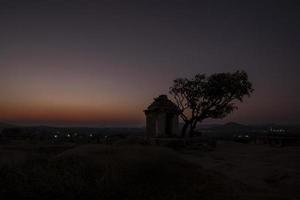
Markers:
64,114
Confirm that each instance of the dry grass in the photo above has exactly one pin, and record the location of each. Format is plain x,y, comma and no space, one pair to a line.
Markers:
146,172
103,172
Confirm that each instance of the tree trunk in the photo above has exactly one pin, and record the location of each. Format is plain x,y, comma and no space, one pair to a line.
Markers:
184,128
193,126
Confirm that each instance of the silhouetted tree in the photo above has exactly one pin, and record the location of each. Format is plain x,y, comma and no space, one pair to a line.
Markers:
209,96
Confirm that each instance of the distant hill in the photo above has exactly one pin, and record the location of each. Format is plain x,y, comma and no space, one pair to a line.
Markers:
234,125
225,127
208,126
6,125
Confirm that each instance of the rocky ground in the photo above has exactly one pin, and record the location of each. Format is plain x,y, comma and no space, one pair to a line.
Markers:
268,172
69,171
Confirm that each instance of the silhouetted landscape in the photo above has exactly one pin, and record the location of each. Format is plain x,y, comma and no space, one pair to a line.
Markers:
149,100
230,131
78,163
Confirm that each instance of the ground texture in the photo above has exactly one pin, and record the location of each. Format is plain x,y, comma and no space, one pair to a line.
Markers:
68,171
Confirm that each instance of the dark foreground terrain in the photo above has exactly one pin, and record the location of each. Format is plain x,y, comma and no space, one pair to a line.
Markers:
97,171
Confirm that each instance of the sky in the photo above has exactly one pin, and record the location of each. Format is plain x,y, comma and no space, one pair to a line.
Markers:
102,62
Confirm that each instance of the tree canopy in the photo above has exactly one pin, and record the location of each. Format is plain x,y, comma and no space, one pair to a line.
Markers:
213,96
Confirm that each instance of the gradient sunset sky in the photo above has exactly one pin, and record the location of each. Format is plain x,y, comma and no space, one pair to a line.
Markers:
102,62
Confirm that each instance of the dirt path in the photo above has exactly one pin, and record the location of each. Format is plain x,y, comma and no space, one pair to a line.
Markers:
272,172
